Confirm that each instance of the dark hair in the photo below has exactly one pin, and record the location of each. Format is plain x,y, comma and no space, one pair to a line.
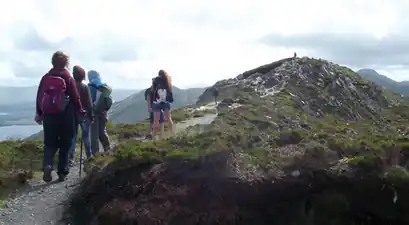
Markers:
60,60
78,73
163,74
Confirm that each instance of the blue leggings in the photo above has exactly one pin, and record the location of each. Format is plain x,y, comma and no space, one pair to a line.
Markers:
85,126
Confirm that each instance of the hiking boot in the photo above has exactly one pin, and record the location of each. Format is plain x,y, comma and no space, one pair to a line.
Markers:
149,136
71,163
107,149
62,177
47,176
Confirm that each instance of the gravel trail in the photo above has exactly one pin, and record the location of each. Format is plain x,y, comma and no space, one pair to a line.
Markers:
40,204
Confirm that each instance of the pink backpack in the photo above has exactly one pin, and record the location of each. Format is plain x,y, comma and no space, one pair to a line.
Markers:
53,98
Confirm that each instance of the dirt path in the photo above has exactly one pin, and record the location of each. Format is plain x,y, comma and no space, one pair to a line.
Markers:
41,204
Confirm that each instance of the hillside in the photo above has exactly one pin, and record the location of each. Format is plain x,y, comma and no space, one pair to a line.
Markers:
300,141
20,111
25,95
8,94
134,108
384,81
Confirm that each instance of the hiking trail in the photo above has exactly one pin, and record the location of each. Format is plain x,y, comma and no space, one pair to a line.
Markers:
41,203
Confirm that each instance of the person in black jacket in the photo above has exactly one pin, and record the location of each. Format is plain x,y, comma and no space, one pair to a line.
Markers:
149,101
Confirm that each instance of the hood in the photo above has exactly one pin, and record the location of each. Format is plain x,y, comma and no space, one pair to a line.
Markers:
95,78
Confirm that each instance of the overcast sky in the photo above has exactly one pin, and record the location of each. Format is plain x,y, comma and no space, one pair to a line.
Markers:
200,41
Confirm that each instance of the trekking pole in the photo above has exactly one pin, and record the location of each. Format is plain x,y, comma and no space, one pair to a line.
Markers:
80,156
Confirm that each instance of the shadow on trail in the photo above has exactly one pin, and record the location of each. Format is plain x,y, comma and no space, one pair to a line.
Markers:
40,186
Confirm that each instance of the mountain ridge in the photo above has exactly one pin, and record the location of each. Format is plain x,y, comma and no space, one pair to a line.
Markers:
26,93
19,109
134,108
293,138
401,87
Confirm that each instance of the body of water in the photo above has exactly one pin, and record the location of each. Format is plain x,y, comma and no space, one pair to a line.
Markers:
18,131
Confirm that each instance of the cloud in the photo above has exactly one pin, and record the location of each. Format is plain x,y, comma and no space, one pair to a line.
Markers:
198,42
30,40
354,49
25,70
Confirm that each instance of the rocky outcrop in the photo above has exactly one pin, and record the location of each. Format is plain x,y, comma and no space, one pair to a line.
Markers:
318,87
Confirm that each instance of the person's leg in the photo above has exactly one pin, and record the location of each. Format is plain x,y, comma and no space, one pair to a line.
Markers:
156,114
102,131
73,145
168,116
66,133
162,123
50,146
85,137
150,127
94,135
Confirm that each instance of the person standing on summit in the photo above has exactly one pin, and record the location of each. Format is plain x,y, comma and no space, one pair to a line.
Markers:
57,103
102,102
85,97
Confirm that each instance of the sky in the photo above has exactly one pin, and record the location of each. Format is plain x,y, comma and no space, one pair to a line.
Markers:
198,42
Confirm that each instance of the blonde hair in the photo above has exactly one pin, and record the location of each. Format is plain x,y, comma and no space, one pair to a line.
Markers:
168,79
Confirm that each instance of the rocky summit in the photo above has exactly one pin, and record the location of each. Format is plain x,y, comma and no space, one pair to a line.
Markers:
316,87
298,141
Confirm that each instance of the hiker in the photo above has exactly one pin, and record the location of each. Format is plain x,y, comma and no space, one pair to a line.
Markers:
149,99
86,102
57,103
215,92
162,98
102,102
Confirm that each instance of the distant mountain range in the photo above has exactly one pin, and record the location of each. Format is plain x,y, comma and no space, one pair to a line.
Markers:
384,81
17,95
134,108
17,104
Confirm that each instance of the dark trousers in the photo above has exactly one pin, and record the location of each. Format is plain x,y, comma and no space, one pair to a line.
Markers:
99,133
58,133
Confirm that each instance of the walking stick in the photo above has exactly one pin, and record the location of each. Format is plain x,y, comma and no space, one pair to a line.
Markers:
81,155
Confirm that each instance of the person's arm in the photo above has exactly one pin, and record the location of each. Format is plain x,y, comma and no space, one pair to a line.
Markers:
88,103
72,91
148,100
39,112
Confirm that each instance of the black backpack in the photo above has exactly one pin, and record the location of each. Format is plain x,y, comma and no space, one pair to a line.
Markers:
158,84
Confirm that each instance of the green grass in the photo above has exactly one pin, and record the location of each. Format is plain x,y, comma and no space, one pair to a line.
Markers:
19,161
262,126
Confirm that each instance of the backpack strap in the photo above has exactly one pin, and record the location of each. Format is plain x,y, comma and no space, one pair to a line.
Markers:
93,85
